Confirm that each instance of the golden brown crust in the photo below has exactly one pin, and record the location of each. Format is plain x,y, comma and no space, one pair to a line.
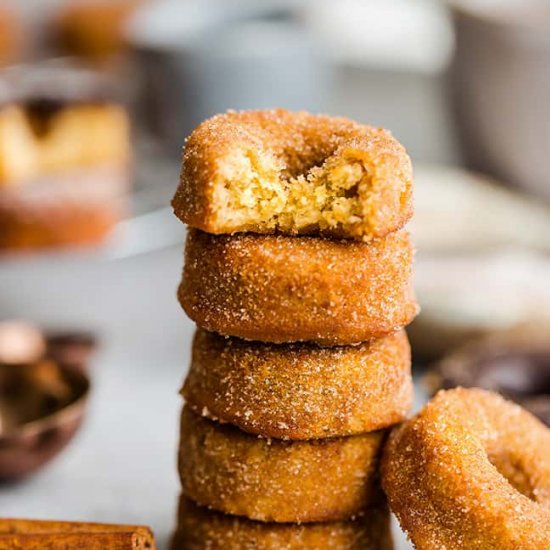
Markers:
274,151
289,289
300,391
272,480
471,470
199,529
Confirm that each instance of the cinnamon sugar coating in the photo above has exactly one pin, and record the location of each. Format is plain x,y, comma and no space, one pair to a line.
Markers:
280,481
471,470
289,289
200,528
294,173
300,391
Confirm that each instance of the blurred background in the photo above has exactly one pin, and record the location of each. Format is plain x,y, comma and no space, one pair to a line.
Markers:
96,98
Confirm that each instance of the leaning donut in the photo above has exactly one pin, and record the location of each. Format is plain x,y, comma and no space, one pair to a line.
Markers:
200,528
231,471
294,173
282,289
471,470
300,391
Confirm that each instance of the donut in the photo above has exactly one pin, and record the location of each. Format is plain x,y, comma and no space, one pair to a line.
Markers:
471,470
199,528
10,35
293,173
92,29
514,363
231,471
300,391
288,289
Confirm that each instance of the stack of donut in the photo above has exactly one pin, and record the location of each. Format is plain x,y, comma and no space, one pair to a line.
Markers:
298,275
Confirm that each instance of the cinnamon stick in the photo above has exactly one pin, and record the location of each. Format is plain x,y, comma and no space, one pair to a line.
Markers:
18,534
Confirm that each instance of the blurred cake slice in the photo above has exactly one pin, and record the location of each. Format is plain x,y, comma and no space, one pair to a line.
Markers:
64,157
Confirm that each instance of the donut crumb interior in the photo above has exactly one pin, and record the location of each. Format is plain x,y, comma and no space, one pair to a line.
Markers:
250,191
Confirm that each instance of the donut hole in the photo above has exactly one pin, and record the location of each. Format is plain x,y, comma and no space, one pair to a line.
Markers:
292,194
511,468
